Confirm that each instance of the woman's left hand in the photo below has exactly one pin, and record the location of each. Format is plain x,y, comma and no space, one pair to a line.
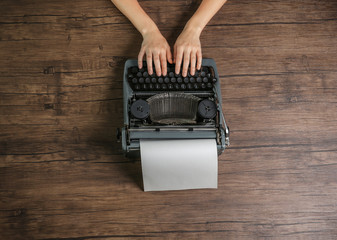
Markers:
187,51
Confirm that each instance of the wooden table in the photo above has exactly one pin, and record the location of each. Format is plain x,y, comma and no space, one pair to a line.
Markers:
63,175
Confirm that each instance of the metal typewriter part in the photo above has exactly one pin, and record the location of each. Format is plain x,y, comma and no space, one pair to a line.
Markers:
171,106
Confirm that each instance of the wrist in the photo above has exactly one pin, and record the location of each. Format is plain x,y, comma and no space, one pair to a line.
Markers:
193,27
149,29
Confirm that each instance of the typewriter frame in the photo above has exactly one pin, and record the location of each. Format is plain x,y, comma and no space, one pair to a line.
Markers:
131,136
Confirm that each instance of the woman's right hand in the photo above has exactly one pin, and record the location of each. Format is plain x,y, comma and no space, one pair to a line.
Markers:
156,49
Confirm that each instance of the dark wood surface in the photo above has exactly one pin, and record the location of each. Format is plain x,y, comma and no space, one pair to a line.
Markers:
63,176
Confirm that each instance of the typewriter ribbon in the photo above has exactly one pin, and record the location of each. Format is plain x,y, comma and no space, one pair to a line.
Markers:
175,125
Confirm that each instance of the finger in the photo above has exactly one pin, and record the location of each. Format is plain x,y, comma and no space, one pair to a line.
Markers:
193,61
163,63
156,61
174,53
149,62
199,59
179,57
169,55
140,57
186,62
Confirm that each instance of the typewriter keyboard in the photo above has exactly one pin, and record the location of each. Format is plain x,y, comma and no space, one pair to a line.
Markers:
140,80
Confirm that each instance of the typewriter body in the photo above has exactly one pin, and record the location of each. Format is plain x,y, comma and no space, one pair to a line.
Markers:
171,107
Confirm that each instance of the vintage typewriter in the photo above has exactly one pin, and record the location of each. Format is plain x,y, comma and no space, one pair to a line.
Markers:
171,106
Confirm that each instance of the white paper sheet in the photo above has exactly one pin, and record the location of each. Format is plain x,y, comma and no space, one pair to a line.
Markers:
179,164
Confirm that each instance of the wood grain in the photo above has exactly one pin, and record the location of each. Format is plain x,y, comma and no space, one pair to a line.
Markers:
63,175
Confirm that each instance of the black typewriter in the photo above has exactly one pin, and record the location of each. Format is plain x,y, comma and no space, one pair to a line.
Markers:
172,106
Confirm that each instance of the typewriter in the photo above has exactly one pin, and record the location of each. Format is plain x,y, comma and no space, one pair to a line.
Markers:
171,106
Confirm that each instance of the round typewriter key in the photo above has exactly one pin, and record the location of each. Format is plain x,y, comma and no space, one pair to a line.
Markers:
199,80
147,80
205,80
183,86
171,74
140,109
144,86
153,80
157,86
179,80
134,80
170,86
189,86
209,85
203,74
130,75
214,80
160,80
195,85
207,109
192,80
137,86
141,80
139,74
203,85
145,74
166,80
208,75
164,86
134,70
151,86
173,80
177,75
186,80
176,86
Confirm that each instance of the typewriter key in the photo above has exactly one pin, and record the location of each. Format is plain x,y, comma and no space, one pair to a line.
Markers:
137,86
207,109
134,70
179,80
141,80
145,74
160,80
170,86
203,85
205,79
183,86
151,86
195,85
209,85
192,80
189,86
139,74
173,80
171,74
214,80
176,86
157,86
203,74
186,80
166,80
134,80
153,80
199,80
140,109
147,80
164,86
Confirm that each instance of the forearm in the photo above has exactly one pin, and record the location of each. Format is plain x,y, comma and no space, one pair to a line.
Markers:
134,12
206,10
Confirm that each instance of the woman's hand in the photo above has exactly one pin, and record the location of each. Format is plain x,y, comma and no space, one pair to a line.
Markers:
157,49
187,50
